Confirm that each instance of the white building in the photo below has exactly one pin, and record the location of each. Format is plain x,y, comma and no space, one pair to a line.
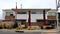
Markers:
37,15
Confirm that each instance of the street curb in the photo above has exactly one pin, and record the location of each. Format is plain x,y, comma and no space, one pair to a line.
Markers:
37,30
22,31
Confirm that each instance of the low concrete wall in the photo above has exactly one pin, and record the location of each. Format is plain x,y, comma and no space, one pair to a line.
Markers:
8,23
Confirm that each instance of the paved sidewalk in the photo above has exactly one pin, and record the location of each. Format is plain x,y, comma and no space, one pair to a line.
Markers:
13,30
39,30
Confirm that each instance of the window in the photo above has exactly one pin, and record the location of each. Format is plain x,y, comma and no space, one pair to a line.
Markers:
23,21
37,12
22,12
39,20
33,12
52,22
9,13
59,16
51,13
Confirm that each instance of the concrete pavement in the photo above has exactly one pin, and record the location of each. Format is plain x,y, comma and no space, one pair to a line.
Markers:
13,30
52,31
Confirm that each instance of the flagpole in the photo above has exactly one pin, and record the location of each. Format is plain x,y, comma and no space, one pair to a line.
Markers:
21,6
16,11
57,14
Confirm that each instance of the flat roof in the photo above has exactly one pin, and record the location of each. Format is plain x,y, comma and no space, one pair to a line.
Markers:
31,9
26,9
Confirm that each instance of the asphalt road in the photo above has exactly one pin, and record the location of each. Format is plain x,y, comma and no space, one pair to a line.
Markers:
21,33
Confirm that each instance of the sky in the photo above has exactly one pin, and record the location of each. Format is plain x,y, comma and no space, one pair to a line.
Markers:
9,4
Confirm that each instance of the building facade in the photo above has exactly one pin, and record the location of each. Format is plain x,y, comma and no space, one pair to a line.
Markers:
37,16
